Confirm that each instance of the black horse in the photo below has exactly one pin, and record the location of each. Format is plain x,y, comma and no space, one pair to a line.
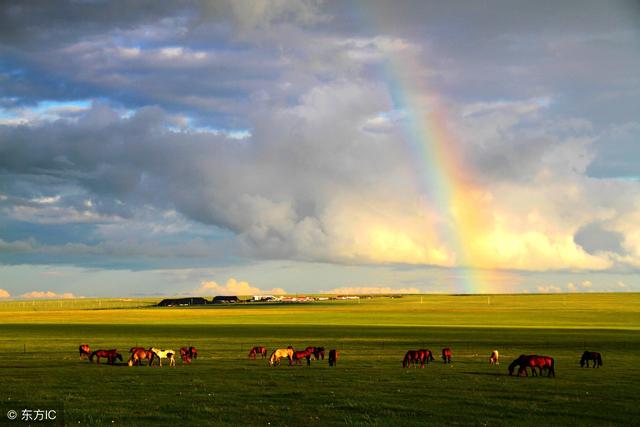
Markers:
591,355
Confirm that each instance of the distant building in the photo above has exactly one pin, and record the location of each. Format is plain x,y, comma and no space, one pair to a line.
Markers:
176,302
258,298
225,299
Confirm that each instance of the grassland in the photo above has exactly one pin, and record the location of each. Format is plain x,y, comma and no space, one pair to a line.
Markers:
39,362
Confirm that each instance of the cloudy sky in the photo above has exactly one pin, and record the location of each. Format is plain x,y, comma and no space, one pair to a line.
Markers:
190,147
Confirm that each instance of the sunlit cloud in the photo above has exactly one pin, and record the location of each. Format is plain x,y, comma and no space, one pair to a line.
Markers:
235,287
4,294
47,295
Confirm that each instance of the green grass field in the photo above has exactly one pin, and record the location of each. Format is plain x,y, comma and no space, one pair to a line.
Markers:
39,362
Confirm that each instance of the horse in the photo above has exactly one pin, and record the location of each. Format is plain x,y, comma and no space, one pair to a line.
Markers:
163,354
258,350
132,351
591,355
110,355
138,355
425,356
318,353
410,358
305,354
279,354
333,357
533,361
446,355
85,351
520,362
494,359
188,353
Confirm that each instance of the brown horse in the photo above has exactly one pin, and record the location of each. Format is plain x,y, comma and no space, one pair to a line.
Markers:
318,353
110,355
411,357
138,355
188,353
333,357
305,354
533,361
446,355
425,355
591,355
258,350
85,351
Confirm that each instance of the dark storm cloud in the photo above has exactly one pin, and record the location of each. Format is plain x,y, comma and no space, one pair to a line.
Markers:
529,86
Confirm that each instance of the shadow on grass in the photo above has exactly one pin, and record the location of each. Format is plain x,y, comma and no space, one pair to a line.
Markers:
490,374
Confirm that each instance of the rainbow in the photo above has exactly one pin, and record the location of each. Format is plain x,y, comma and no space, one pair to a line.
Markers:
441,174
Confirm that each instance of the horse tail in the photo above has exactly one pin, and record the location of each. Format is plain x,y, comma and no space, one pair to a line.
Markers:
599,360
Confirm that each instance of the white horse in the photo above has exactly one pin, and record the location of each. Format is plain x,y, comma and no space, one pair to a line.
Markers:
494,359
163,354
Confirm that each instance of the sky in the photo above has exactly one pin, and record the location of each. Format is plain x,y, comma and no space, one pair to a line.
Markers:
203,147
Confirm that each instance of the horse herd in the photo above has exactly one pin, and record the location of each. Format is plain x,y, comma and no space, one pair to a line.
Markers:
138,355
538,364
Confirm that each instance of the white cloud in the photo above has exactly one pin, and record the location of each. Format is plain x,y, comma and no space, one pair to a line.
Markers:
373,290
4,294
586,284
546,289
234,287
572,287
47,295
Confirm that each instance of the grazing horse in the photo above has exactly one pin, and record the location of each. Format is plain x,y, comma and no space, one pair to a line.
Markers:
411,357
305,354
446,355
424,356
318,353
258,350
110,355
533,361
333,357
521,363
163,354
279,354
591,355
494,359
85,351
138,355
132,351
188,353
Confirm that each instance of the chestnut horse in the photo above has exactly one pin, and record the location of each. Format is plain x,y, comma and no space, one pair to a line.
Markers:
305,354
258,350
425,356
411,357
110,355
188,353
85,351
591,355
333,357
446,355
138,355
494,359
279,354
533,361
